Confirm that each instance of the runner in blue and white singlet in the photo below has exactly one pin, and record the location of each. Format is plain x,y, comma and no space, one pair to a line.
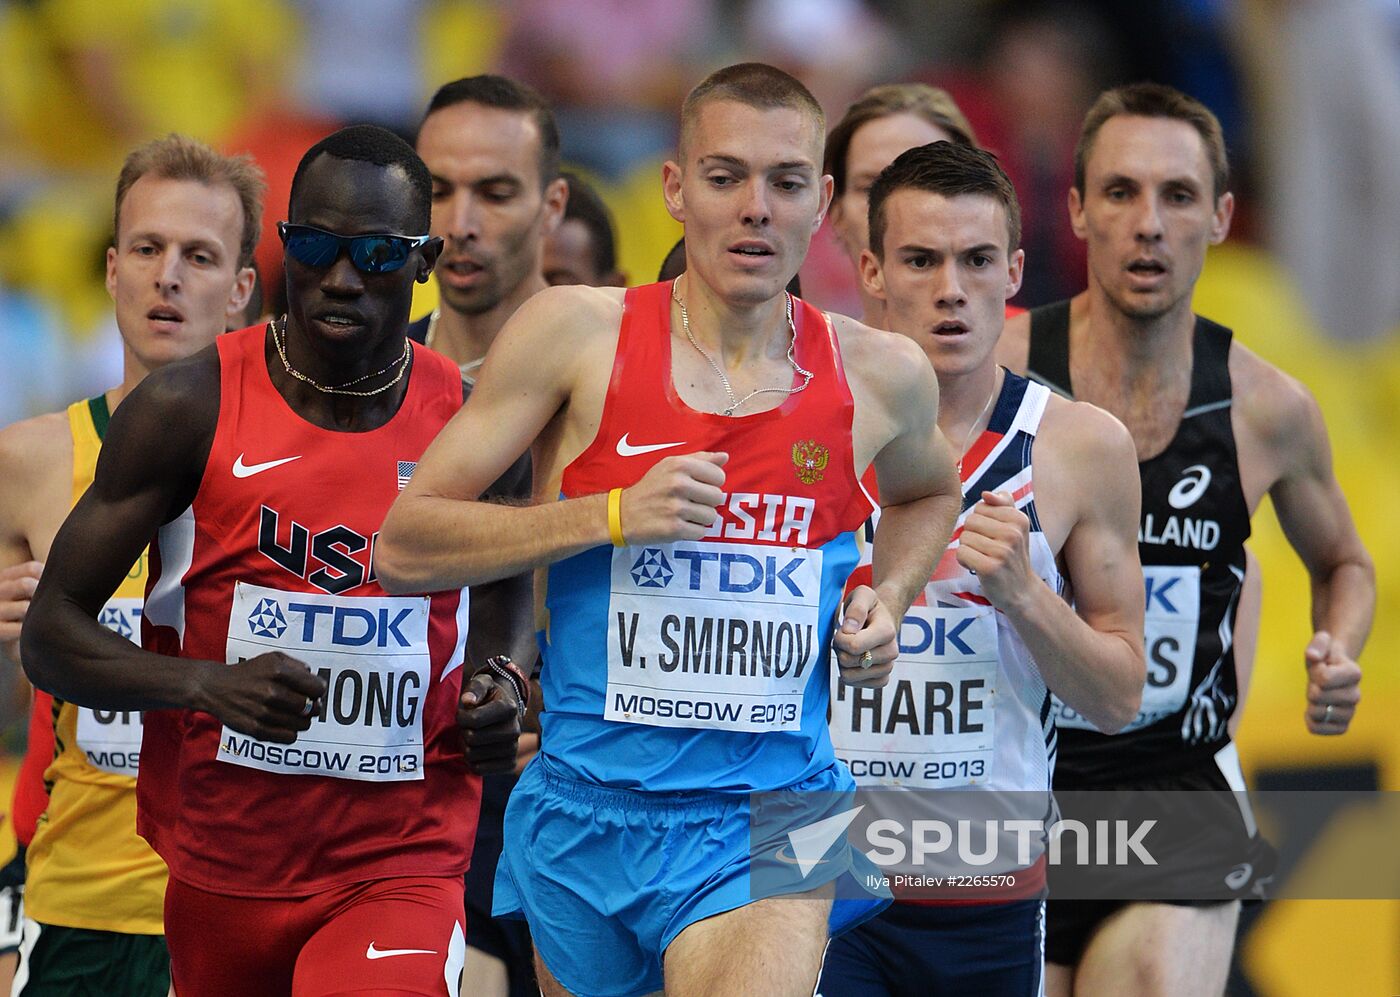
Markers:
966,706
969,706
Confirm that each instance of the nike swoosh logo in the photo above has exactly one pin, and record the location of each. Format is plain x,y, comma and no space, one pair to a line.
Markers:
625,449
242,470
374,953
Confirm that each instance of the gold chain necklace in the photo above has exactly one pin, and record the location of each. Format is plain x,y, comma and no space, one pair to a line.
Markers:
734,402
339,389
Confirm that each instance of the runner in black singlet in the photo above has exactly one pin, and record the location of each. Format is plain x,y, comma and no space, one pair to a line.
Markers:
1216,429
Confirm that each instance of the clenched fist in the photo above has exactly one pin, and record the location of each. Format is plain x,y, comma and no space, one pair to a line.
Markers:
995,545
675,500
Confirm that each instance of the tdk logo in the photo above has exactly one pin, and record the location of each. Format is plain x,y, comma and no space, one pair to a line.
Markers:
351,626
651,570
117,621
934,633
266,619
1193,484
738,573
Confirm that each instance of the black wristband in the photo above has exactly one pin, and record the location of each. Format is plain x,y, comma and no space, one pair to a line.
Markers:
502,667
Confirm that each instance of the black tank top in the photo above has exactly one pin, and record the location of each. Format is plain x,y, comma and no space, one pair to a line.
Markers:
1195,522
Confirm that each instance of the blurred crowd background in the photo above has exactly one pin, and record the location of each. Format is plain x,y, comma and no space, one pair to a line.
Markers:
1308,92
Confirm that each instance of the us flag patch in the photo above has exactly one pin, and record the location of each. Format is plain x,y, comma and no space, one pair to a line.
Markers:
406,468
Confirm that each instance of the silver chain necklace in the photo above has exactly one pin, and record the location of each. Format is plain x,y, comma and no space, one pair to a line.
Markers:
339,389
734,402
469,368
967,440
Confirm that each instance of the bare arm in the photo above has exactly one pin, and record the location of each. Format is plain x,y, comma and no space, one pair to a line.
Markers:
148,472
1091,654
1246,644
502,612
920,497
35,489
439,534
502,623
18,579
1317,521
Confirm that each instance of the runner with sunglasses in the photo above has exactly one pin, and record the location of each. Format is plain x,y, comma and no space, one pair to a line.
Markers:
305,777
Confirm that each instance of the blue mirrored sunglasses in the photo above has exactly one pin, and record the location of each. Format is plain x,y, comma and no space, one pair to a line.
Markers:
314,247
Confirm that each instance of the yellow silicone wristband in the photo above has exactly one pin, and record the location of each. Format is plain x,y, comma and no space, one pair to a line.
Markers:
615,518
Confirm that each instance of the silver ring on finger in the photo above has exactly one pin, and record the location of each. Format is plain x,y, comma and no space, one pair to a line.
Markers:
867,659
309,708
1327,714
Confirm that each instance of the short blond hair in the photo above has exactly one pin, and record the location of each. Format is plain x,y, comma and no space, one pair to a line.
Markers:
754,84
179,157
935,106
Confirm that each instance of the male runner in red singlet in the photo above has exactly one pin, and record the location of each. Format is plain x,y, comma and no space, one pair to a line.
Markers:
180,267
305,778
698,448
1216,429
944,257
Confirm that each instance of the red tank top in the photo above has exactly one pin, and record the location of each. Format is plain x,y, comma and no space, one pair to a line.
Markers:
276,553
703,664
642,399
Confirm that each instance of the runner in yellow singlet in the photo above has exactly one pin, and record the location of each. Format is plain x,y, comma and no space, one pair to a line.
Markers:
186,223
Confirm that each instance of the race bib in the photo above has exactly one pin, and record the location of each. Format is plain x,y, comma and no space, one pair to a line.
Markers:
719,636
934,724
372,653
1173,617
111,739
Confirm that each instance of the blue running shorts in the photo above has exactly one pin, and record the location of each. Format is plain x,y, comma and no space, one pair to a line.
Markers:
607,877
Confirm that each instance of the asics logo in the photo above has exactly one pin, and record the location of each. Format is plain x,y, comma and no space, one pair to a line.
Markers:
625,449
1239,875
374,953
242,470
1193,484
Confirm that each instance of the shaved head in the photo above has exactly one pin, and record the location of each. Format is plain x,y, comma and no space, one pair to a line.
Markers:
757,85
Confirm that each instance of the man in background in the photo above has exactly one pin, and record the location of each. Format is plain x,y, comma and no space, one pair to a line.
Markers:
883,122
583,249
492,148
